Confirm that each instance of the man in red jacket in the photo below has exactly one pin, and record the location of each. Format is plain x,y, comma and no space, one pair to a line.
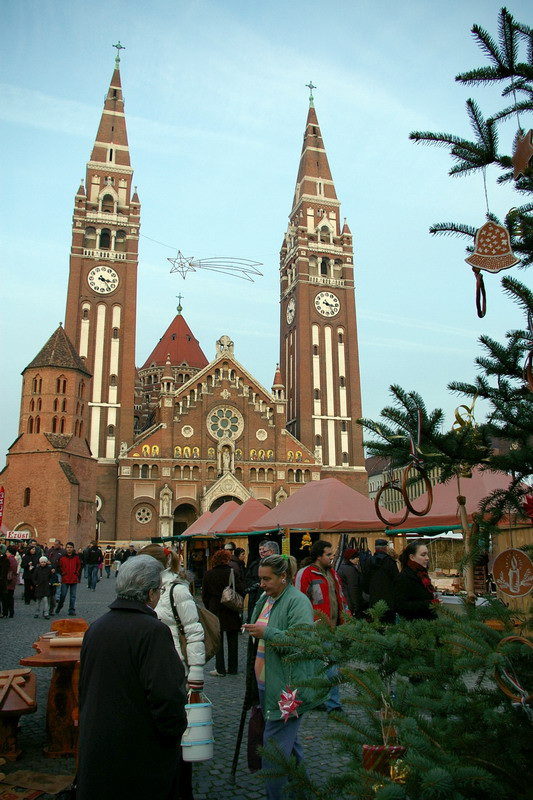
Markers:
322,585
70,569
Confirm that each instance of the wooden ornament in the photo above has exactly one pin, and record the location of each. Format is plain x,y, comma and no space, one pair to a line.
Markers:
492,250
523,150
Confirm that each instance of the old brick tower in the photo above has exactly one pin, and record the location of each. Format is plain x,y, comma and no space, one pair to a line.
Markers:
318,332
100,314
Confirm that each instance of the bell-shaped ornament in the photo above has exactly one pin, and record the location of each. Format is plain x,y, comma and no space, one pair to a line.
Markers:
492,250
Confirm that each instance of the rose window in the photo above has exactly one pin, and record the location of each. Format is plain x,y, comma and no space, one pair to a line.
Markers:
225,422
143,515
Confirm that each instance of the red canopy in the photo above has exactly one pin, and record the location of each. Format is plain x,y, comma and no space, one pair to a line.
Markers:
199,525
241,518
445,509
326,505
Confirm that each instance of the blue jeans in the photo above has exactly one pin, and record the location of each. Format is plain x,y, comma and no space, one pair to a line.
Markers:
285,736
72,603
333,702
93,575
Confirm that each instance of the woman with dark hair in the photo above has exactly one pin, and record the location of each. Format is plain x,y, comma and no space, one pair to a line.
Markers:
415,594
280,608
30,560
215,581
352,582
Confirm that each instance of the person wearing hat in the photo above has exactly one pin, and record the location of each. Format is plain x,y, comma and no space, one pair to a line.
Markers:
379,579
352,582
41,577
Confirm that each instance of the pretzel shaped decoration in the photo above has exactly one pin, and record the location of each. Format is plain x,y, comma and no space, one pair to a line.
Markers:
395,488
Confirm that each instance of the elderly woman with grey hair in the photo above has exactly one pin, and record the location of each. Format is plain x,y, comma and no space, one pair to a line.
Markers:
131,696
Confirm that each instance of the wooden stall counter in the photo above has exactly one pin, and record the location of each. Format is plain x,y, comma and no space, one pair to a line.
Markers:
60,651
17,697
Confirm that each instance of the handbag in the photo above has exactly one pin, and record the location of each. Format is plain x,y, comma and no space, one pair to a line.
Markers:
209,622
230,597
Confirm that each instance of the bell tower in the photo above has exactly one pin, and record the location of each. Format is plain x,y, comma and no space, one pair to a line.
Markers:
100,315
318,347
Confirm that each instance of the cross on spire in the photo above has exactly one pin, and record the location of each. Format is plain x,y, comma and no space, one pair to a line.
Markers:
311,86
180,298
119,48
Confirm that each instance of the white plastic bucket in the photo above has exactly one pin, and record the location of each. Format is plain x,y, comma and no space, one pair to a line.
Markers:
197,742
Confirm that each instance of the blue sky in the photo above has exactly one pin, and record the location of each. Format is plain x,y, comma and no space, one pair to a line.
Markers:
215,106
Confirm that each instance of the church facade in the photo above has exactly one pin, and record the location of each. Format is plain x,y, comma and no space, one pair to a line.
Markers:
180,435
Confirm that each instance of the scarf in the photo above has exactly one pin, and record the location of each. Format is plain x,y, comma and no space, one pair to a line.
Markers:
422,575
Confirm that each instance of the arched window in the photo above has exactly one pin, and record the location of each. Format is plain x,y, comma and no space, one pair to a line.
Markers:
26,496
108,203
315,349
325,234
196,473
105,239
270,475
307,476
290,476
76,428
120,241
344,426
62,425
186,473
342,381
54,425
154,472
64,405
36,385
298,476
261,474
89,238
32,405
39,404
81,429
238,473
135,471
56,404
341,337
144,471
61,385
30,425
317,394
113,380
37,424
85,314
110,430
253,474
81,389
210,473
345,458
324,266
318,440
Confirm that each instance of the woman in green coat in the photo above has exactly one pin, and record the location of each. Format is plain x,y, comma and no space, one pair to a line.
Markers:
281,608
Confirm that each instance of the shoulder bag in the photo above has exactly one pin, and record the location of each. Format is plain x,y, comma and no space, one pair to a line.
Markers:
230,597
209,623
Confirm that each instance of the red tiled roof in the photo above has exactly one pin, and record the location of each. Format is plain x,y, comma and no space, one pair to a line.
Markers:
179,342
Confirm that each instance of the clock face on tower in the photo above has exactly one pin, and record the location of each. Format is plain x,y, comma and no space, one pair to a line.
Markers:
103,279
327,304
291,309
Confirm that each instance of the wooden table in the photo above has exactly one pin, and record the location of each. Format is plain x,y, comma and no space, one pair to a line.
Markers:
17,697
62,706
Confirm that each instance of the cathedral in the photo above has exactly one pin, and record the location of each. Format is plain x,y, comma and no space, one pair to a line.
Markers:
121,452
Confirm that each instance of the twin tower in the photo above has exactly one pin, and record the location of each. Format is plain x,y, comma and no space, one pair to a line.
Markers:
128,453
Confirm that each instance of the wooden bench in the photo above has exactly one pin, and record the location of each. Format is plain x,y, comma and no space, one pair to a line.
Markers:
17,697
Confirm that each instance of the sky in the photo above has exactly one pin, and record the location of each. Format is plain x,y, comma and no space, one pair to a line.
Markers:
216,103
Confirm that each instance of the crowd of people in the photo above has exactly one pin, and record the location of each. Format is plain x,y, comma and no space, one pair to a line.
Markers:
50,573
154,624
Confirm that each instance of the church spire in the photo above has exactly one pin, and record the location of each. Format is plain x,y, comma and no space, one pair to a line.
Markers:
111,144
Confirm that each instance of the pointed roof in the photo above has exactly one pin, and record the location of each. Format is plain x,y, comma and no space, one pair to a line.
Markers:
203,526
240,518
112,129
325,505
179,344
58,352
199,525
278,383
314,164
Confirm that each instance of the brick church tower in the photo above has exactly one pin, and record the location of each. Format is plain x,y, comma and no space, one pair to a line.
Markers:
318,332
100,314
50,477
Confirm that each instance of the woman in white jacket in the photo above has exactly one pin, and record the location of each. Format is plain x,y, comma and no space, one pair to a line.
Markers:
175,585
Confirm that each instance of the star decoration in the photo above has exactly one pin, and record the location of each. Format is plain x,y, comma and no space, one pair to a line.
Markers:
522,153
239,267
288,703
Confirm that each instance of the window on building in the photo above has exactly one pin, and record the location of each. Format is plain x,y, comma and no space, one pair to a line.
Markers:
54,425
144,471
120,242
113,380
110,430
342,381
108,204
318,441
317,394
89,238
64,405
105,239
30,425
37,424
115,333
26,496
62,425
315,349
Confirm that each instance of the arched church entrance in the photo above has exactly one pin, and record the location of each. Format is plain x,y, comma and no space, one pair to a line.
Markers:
184,515
224,499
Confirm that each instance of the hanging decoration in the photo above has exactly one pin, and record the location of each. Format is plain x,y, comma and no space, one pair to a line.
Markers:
507,680
492,252
288,704
239,267
523,150
513,572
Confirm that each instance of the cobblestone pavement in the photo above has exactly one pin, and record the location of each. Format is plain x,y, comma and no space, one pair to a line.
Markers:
211,778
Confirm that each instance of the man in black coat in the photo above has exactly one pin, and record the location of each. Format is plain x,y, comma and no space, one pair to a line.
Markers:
131,695
379,579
